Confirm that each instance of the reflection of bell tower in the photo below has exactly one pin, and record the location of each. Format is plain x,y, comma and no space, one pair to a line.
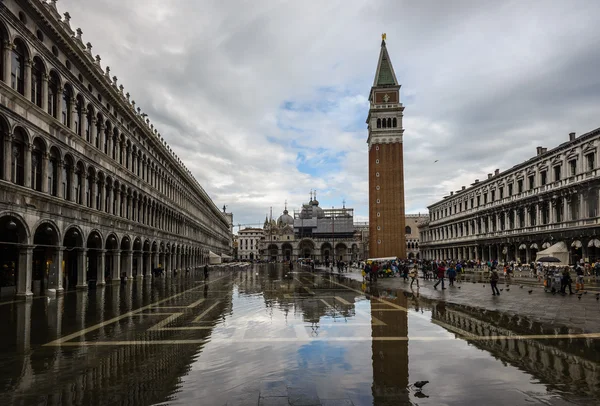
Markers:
390,358
386,163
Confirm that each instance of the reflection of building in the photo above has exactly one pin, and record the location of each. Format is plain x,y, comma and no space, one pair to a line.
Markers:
248,240
558,362
390,357
313,232
412,234
386,163
550,198
89,188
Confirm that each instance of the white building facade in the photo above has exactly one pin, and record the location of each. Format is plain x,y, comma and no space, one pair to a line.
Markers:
248,241
89,190
550,198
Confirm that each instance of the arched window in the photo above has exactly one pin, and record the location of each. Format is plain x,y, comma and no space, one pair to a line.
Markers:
91,185
37,73
53,172
36,165
378,123
79,117
18,158
115,141
17,72
107,135
394,122
384,122
53,82
99,191
407,230
66,105
389,122
66,177
89,128
79,184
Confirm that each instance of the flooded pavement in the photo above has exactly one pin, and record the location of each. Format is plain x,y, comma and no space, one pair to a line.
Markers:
270,337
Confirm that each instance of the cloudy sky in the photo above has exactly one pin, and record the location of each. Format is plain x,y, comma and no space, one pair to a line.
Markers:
265,100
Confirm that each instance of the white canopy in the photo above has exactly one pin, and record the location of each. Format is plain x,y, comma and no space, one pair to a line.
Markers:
213,258
594,243
382,259
558,250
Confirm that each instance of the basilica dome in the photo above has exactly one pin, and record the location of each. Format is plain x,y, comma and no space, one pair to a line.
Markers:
285,219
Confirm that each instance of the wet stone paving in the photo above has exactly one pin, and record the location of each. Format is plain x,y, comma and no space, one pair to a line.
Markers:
268,336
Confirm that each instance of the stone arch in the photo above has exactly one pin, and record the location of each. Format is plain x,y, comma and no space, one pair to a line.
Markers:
73,258
341,251
14,235
45,261
326,251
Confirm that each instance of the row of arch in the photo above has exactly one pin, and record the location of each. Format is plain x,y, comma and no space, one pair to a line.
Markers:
387,122
46,168
30,75
308,249
55,258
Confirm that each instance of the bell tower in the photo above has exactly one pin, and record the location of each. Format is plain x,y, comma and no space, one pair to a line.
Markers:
386,162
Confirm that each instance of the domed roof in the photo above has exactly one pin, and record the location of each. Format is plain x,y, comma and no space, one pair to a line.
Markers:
285,219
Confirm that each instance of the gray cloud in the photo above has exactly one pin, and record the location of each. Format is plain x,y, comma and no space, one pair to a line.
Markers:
483,84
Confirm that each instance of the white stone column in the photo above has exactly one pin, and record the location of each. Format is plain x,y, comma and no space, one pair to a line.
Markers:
27,84
101,264
24,276
59,98
8,140
7,55
27,158
59,179
129,264
82,268
44,92
116,257
59,269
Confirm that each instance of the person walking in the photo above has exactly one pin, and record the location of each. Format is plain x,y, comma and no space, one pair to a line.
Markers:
494,277
414,276
206,271
440,274
451,275
566,281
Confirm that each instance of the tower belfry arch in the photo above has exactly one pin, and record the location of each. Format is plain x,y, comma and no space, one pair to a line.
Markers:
386,162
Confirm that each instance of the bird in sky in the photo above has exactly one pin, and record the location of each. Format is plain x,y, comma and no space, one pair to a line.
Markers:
435,160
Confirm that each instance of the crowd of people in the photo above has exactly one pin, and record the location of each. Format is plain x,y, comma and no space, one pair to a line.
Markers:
556,279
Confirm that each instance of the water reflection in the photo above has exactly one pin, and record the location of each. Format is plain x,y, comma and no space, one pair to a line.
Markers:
264,332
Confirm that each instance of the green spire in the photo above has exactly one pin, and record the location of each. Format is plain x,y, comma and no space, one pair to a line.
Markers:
384,76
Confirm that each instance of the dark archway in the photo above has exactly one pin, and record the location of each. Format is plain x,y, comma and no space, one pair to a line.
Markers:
126,258
72,258
95,256
13,236
113,262
45,258
137,257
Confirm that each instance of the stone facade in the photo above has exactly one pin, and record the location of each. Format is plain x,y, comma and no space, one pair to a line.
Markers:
386,163
313,232
248,241
89,190
412,234
550,198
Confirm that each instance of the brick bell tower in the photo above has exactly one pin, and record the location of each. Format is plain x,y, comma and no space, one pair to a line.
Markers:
386,163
